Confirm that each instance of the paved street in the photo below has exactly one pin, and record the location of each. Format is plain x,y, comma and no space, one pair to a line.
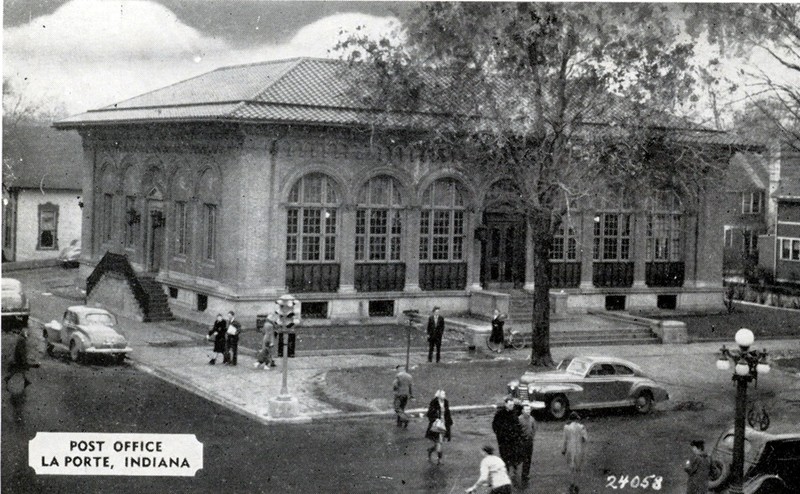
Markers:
246,451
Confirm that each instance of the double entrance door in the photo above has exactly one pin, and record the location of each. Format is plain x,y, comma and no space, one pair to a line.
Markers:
503,251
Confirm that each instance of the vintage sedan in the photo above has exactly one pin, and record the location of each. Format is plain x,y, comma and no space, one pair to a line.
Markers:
588,383
771,462
71,254
15,305
86,331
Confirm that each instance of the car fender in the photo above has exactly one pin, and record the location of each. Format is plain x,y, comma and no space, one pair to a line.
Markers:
659,394
52,331
752,486
81,340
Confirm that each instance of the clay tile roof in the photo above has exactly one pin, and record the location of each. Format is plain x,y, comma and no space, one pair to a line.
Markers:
311,91
40,156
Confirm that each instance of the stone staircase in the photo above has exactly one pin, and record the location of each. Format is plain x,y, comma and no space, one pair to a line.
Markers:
158,306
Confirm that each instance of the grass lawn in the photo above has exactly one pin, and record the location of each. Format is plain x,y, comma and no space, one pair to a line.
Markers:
764,322
458,379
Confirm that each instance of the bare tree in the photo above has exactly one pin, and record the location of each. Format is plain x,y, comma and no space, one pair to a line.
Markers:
567,101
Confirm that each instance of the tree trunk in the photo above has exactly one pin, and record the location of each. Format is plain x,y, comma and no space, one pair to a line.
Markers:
540,325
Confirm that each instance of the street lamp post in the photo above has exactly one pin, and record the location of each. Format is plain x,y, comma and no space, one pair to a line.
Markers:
748,364
410,314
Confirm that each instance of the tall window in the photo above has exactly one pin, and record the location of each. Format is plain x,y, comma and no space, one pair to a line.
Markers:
210,240
750,242
664,228
728,236
442,222
108,217
565,245
181,227
311,219
379,221
132,221
48,227
613,226
790,249
8,226
752,202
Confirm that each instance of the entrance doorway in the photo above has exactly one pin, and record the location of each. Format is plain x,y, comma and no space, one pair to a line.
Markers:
504,251
155,235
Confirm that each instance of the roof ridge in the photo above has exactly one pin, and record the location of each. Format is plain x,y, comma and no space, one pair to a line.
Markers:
294,63
280,60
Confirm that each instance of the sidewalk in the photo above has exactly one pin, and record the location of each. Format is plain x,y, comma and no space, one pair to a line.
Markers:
181,357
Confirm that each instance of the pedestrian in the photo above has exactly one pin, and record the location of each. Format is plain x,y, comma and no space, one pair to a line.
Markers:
497,336
402,393
574,448
232,338
508,431
435,334
217,332
698,467
528,426
438,418
493,473
20,363
265,354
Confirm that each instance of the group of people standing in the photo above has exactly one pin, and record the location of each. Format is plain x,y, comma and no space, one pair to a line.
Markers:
515,429
225,334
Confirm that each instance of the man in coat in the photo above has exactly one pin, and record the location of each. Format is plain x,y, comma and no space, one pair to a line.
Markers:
528,425
402,393
232,339
435,334
698,468
507,429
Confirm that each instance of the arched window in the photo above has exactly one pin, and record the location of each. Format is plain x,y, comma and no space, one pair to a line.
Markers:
613,227
442,230
664,227
379,225
311,219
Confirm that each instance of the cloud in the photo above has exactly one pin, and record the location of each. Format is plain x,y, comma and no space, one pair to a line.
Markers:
91,53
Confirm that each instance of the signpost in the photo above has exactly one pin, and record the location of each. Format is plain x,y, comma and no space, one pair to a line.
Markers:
411,314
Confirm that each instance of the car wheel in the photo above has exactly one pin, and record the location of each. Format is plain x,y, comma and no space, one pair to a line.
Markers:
74,351
718,474
644,402
517,341
558,407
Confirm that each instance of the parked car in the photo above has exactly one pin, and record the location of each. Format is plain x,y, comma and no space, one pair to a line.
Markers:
588,383
771,462
85,331
15,305
70,254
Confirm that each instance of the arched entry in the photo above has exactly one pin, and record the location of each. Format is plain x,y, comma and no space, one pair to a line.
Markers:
503,263
155,229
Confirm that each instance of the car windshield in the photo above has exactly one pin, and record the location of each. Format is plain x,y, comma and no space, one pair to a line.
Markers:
578,366
99,318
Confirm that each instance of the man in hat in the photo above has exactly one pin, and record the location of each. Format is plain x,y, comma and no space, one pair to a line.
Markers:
698,467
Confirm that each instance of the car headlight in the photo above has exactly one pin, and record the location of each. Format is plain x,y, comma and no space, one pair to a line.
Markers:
513,385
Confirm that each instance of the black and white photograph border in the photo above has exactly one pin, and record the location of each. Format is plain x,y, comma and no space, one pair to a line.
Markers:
348,247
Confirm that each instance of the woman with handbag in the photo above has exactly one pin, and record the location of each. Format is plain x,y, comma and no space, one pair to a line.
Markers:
439,423
217,332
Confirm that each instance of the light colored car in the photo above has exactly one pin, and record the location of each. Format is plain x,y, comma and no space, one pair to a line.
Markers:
15,305
71,254
771,462
86,331
589,383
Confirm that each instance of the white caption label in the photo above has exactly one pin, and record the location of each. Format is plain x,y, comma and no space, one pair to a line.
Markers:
68,453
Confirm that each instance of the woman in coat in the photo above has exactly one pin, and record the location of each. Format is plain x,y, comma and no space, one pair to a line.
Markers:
439,408
217,332
574,448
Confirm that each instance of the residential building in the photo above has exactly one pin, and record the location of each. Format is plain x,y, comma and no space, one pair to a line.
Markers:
42,189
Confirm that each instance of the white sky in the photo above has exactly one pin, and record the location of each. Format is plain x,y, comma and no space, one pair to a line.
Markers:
91,53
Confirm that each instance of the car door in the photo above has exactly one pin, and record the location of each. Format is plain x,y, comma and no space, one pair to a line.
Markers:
602,388
68,326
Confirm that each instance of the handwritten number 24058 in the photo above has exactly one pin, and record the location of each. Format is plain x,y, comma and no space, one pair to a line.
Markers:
635,482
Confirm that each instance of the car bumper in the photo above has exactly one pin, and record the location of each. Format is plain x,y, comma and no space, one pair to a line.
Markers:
17,313
108,351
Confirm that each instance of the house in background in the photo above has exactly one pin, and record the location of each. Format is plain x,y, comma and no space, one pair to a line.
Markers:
42,193
779,251
746,212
